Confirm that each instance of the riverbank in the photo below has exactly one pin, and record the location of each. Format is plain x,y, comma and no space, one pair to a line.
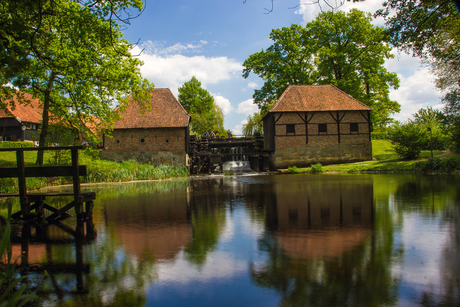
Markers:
385,160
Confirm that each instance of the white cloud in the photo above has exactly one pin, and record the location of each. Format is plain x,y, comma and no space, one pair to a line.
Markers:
247,107
173,70
252,85
178,48
311,8
415,92
238,129
223,103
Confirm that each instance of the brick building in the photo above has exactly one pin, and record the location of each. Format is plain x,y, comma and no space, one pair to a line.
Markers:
159,135
22,122
317,123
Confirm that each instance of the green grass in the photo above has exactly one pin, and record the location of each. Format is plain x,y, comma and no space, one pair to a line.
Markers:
385,160
98,170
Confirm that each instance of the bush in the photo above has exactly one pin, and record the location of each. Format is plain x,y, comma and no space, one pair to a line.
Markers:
439,165
407,139
316,168
8,144
293,169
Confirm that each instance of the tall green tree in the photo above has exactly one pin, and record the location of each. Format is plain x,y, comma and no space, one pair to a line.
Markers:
200,104
343,49
80,67
430,29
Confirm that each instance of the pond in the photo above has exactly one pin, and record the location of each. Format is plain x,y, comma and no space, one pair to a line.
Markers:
268,240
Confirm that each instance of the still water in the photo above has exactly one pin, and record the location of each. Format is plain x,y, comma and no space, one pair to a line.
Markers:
284,240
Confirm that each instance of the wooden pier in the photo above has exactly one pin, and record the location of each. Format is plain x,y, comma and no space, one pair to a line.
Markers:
205,153
36,201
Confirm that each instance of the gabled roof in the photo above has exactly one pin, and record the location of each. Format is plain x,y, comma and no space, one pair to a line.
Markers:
165,112
316,98
30,112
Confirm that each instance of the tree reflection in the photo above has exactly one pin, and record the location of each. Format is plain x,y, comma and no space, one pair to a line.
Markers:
321,247
208,219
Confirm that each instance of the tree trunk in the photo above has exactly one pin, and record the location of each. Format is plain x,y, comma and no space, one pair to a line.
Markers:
45,119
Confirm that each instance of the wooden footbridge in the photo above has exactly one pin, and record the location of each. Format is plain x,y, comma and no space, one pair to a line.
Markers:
208,154
44,222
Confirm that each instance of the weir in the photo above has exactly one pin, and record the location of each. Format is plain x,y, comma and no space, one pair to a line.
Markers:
208,155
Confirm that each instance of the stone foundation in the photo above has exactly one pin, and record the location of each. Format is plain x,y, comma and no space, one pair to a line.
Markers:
328,154
175,158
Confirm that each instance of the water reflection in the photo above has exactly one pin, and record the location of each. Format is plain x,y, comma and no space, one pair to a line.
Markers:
355,240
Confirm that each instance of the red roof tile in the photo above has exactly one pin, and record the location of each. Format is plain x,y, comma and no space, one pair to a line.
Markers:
30,111
166,112
316,98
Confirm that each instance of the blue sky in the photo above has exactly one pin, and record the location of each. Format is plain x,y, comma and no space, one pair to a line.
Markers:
210,39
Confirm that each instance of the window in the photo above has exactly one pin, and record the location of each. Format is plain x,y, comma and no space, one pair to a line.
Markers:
290,128
354,127
322,128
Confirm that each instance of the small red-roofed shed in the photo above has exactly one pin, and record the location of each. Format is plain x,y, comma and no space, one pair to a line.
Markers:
156,135
23,121
317,124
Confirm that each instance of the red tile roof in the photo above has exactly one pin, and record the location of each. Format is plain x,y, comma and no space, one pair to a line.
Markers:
30,111
316,98
166,112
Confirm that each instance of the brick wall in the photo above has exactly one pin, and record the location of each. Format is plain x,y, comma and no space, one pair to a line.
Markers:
304,156
138,140
155,146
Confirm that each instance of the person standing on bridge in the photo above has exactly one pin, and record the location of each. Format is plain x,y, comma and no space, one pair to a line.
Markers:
229,134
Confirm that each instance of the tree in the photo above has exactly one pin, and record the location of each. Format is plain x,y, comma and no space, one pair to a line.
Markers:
253,125
21,23
408,139
199,103
80,67
345,50
430,29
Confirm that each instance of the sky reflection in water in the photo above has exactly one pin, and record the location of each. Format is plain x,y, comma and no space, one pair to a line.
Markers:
327,240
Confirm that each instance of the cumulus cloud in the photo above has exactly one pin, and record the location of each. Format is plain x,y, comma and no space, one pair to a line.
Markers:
311,8
415,92
223,103
252,85
238,129
247,107
173,70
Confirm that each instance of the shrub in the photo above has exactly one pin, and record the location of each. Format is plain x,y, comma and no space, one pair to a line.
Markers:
407,139
316,168
439,165
293,169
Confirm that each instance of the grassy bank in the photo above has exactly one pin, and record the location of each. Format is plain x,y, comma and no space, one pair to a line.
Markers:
98,170
386,160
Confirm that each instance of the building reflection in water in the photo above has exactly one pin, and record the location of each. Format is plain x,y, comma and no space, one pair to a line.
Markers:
151,228
313,220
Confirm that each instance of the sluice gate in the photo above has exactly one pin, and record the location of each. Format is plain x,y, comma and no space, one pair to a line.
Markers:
207,155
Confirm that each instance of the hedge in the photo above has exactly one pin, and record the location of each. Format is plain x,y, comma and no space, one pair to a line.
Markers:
8,144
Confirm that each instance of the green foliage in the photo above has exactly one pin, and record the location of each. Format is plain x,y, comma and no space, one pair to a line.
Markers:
293,169
254,124
439,165
379,136
8,144
345,50
198,102
432,120
408,139
85,71
316,168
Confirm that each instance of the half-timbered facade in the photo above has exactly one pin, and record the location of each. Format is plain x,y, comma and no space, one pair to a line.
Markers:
317,123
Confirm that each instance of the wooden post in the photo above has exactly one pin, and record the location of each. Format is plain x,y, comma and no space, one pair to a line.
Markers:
23,199
76,184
